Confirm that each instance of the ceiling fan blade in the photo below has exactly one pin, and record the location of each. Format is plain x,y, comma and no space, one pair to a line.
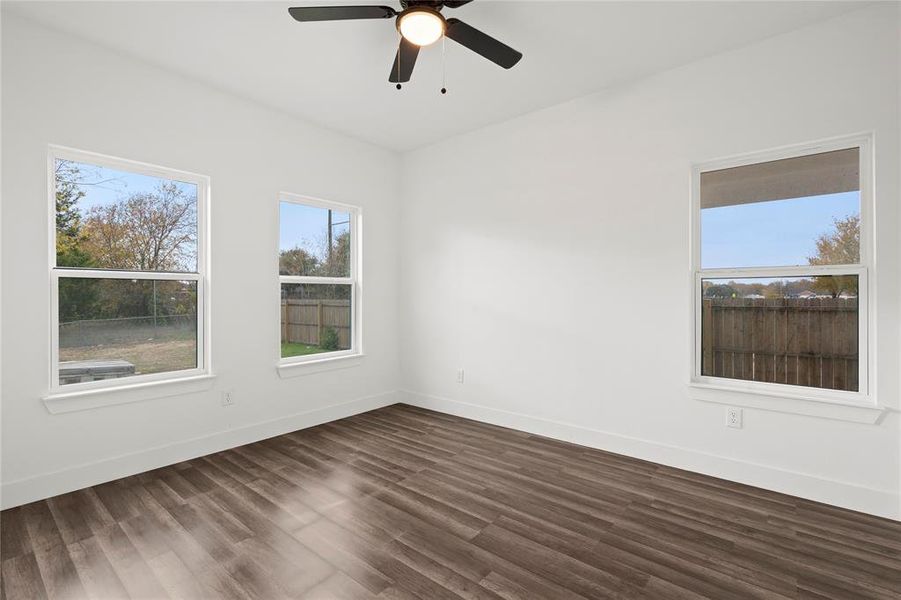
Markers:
482,43
455,3
404,62
341,13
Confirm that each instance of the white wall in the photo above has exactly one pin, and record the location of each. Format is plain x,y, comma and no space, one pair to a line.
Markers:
57,89
548,256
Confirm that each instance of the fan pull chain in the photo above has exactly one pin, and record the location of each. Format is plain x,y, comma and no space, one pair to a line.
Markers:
443,64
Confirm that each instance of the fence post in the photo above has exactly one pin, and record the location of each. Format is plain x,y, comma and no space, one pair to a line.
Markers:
707,366
154,308
319,320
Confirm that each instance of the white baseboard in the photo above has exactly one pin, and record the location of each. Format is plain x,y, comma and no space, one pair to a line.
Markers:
22,491
883,503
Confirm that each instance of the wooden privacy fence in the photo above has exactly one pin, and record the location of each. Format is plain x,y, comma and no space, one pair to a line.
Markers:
304,321
810,342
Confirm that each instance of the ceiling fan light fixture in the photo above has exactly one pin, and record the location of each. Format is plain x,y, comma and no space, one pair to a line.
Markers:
421,26
420,23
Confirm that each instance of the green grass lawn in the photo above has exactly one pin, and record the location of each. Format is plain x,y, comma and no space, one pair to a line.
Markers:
151,356
297,349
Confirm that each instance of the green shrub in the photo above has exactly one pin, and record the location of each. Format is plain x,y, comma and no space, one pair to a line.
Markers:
329,339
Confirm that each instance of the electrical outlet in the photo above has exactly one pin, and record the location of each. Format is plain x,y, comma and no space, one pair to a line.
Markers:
228,398
733,417
459,375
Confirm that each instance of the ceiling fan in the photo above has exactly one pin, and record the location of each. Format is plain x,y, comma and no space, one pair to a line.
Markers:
420,23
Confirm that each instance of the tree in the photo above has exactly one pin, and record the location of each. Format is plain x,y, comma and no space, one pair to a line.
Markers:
69,230
721,291
338,262
297,261
77,297
321,262
68,218
841,246
148,231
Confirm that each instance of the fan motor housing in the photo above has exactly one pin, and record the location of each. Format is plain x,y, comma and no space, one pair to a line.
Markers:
435,5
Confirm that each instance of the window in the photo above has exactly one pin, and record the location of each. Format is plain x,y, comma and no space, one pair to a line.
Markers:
780,257
319,279
128,272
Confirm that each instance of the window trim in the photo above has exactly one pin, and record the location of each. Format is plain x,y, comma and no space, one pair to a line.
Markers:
354,280
201,276
865,270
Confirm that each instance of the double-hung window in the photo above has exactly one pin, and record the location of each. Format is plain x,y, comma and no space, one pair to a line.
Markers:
319,279
128,272
781,255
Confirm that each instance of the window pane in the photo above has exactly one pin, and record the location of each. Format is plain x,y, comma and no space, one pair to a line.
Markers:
797,331
111,219
315,318
313,241
796,211
112,328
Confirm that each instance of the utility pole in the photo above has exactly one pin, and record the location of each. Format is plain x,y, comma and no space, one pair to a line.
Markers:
331,225
330,240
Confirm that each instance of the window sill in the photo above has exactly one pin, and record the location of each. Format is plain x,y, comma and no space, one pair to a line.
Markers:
65,402
797,404
320,365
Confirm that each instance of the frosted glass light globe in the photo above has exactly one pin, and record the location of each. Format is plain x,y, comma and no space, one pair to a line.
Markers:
421,27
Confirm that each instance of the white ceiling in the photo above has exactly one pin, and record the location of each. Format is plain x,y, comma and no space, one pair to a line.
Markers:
336,74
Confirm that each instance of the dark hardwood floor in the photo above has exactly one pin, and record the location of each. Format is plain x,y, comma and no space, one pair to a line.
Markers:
406,503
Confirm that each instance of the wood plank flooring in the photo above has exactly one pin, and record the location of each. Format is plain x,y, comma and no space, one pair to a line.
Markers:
406,503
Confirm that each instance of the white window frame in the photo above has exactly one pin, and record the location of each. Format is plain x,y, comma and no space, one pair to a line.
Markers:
200,276
354,280
864,270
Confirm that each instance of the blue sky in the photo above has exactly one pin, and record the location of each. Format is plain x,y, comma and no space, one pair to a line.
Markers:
306,227
776,233
105,186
